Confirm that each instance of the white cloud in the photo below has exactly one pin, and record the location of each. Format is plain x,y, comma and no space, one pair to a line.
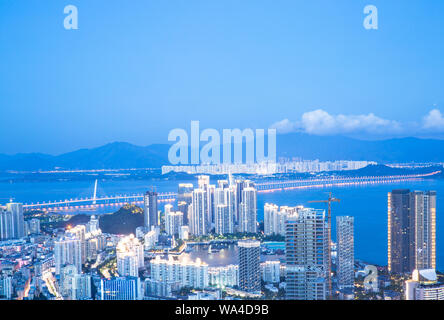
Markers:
433,121
284,126
320,122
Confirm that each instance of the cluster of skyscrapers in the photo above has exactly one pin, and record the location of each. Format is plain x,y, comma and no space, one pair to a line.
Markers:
72,250
228,207
306,253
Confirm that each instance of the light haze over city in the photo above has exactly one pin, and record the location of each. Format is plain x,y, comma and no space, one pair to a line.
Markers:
132,73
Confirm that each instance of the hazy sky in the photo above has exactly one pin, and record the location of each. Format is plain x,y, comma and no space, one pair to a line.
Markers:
136,69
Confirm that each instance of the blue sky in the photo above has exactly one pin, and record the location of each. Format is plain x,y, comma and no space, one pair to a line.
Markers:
136,69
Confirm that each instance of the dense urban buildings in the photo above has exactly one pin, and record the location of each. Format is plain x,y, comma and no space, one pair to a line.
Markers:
267,167
130,256
411,230
221,251
221,150
180,273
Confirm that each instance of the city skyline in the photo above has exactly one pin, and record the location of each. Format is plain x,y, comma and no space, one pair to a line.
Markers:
287,255
249,152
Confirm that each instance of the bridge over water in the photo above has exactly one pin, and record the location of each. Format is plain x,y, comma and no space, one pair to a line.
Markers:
95,202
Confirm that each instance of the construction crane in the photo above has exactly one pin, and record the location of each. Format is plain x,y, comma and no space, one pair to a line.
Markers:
328,201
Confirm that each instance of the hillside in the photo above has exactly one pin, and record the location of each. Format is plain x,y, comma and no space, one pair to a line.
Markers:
123,221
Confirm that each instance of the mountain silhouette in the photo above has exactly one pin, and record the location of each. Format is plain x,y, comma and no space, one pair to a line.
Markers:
121,155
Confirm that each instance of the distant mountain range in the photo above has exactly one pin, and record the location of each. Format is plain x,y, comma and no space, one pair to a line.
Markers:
111,156
343,148
125,155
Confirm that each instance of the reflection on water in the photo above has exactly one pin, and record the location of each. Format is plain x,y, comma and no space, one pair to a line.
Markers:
221,254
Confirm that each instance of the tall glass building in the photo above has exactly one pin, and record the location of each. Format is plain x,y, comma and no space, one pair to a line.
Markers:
12,223
199,224
248,211
306,240
249,265
411,230
345,247
150,213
